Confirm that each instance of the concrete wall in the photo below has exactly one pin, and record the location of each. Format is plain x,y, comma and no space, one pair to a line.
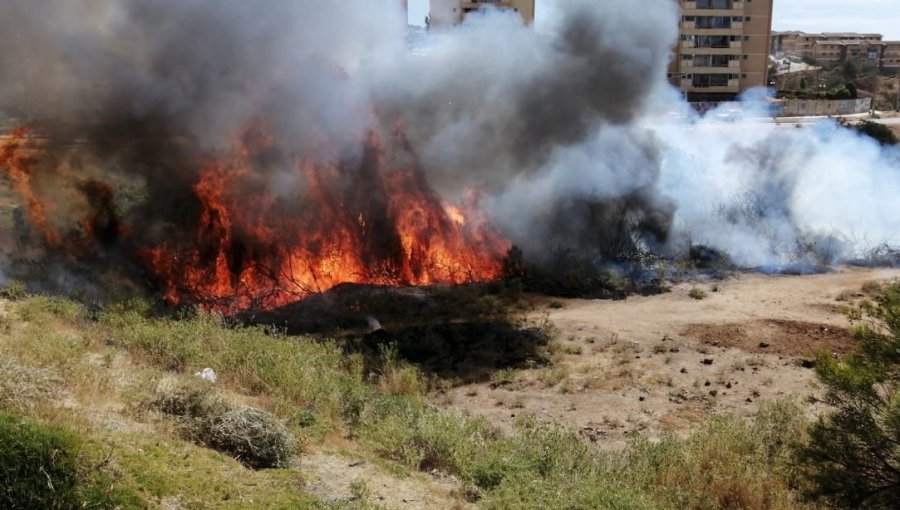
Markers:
795,107
803,108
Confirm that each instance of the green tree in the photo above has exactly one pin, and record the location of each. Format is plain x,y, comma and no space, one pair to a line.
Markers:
853,454
849,70
879,132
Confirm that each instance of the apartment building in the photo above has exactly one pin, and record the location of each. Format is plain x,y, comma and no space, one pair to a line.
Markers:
831,48
723,49
803,45
452,12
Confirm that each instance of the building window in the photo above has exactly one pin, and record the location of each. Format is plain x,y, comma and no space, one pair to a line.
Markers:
710,80
713,22
711,60
712,41
714,4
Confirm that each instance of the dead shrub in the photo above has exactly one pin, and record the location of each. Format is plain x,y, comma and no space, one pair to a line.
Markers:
697,293
188,399
252,436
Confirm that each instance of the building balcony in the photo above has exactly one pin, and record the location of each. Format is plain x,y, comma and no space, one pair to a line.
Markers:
707,6
693,30
690,69
733,87
736,48
486,3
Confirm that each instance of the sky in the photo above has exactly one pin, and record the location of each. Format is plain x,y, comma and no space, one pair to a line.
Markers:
879,16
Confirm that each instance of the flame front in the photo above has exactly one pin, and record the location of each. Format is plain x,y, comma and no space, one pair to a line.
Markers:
367,222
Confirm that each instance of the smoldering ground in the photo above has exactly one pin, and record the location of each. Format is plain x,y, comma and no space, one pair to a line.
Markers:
555,130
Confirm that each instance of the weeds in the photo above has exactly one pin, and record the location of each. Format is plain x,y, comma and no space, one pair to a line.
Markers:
697,293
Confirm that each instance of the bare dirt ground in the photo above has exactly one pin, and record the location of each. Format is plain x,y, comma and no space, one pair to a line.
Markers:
340,477
649,365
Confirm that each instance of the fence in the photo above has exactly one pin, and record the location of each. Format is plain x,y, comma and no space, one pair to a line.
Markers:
794,107
821,107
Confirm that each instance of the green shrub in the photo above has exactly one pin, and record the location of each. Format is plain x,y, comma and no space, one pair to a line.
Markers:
853,455
42,467
39,465
883,134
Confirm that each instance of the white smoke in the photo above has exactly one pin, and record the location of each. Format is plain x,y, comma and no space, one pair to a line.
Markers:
762,191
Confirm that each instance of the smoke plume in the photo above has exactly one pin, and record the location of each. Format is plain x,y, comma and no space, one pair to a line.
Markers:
199,137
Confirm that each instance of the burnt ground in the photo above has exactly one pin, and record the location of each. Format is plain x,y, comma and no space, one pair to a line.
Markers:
462,332
774,336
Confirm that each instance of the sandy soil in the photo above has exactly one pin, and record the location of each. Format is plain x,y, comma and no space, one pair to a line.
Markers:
340,477
653,364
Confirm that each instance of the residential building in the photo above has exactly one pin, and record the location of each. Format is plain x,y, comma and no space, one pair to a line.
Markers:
723,49
831,48
803,45
452,12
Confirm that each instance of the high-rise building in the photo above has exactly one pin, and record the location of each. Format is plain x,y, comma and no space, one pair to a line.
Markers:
723,49
452,12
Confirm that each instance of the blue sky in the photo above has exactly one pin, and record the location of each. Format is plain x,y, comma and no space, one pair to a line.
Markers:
880,16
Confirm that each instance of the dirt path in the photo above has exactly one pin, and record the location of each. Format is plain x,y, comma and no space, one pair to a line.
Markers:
338,477
651,364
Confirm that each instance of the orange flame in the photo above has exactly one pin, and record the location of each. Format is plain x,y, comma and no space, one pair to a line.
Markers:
17,158
371,221
373,224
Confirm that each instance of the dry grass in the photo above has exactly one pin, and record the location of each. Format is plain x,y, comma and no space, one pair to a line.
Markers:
872,288
551,376
845,296
23,387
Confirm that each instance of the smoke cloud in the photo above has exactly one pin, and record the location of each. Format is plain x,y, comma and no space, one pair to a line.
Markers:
562,133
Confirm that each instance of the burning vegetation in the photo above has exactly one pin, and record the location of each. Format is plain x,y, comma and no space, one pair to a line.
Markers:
248,246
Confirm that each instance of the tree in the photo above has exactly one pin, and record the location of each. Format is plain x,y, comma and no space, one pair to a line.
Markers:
879,132
853,454
849,70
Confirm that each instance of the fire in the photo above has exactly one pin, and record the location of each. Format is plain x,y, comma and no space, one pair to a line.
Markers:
255,245
366,222
17,159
